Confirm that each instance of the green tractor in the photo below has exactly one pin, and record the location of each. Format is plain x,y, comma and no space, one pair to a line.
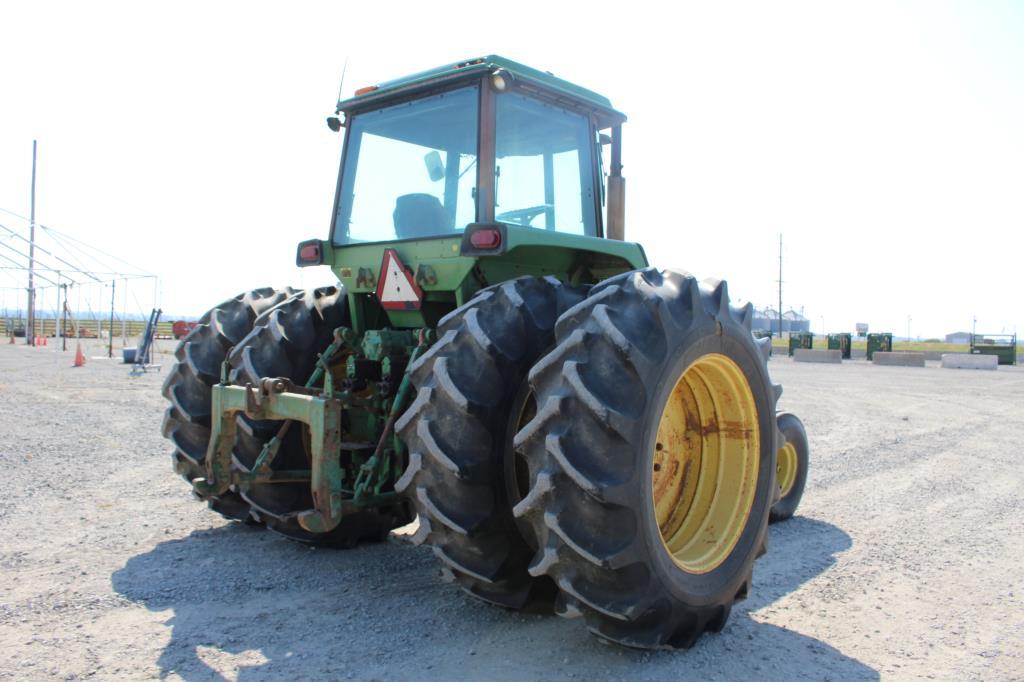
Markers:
575,431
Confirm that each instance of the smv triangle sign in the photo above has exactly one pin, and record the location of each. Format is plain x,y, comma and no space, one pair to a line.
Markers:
396,289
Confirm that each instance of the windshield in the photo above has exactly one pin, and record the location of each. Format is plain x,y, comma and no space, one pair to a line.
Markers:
543,177
410,170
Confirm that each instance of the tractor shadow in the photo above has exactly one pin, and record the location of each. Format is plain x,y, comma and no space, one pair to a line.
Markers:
244,604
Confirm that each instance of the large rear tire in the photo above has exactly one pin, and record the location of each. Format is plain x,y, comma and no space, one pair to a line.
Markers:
187,386
459,430
285,343
651,458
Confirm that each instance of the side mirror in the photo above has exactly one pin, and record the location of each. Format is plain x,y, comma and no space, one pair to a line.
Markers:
435,166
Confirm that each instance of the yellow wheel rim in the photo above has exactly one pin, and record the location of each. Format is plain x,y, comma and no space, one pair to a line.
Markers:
706,460
785,471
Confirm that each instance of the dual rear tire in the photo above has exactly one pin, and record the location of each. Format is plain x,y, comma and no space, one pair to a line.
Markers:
261,333
638,457
199,359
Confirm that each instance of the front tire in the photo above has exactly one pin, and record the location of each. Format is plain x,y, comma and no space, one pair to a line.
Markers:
651,458
791,470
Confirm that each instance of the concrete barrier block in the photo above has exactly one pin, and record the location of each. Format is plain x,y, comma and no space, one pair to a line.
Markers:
969,361
904,358
816,355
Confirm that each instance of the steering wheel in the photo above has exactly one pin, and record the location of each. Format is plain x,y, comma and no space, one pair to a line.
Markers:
523,216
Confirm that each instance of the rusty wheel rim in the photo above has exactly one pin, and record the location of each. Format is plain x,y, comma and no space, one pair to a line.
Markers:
705,463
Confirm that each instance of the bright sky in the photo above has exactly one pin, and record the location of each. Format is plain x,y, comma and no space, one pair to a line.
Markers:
885,140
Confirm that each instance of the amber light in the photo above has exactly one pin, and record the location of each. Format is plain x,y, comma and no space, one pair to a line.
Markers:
310,253
485,239
363,91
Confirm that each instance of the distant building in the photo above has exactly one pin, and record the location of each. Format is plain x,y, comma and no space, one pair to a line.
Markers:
958,337
767,319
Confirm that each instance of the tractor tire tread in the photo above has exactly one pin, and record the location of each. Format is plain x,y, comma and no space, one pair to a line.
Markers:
455,432
791,430
199,356
592,390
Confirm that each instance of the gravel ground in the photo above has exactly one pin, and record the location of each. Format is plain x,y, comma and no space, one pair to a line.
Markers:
905,559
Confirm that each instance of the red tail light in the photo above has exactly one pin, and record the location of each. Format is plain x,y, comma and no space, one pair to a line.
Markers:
488,238
310,253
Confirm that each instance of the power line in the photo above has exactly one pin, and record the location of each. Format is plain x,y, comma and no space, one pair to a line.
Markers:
16,279
74,257
115,275
38,275
23,255
46,252
70,252
80,243
73,267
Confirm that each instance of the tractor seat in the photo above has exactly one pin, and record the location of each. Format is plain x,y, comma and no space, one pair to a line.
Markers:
420,215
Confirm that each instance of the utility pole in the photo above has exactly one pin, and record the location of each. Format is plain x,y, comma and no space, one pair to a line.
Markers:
110,343
780,285
64,331
30,329
124,314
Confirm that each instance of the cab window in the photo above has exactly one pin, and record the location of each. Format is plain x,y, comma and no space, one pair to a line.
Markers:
410,170
543,175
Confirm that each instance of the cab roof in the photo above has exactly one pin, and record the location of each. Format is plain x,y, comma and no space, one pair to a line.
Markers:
377,95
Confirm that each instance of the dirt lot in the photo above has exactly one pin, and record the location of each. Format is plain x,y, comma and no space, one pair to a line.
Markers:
905,559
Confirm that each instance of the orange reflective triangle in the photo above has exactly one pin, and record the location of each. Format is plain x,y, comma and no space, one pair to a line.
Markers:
396,288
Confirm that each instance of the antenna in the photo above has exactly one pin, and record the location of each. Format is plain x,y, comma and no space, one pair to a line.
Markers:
342,82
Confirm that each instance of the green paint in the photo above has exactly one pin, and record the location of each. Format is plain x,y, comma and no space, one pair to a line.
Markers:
474,68
529,252
842,342
800,340
378,344
1003,346
878,343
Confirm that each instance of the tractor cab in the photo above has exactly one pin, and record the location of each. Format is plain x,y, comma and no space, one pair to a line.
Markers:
469,174
486,140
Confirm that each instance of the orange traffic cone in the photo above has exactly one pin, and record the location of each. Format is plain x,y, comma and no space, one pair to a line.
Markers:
44,341
79,357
